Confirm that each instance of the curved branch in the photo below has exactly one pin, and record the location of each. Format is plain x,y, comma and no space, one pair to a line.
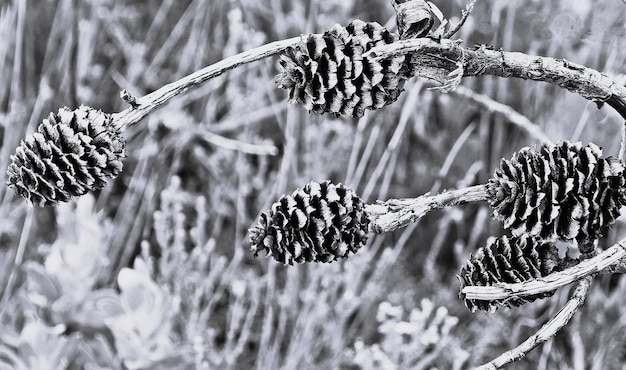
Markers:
438,60
140,107
547,331
608,259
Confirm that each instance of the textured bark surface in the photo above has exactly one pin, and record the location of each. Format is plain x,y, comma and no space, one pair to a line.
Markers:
446,60
397,213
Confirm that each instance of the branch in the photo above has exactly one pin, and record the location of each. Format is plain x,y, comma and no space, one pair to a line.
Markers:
547,331
237,145
437,60
393,214
608,259
464,15
140,107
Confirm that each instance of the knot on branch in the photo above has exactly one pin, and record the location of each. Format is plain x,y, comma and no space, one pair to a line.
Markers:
320,222
129,98
563,191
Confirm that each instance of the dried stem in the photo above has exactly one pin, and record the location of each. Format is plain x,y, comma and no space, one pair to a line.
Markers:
547,331
231,144
437,60
509,113
464,15
608,259
446,61
393,214
140,107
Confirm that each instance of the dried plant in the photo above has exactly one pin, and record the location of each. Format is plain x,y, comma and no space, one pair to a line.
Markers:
192,301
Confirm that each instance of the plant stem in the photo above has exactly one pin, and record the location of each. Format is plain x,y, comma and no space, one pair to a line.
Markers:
437,59
393,214
547,331
607,259
509,113
464,15
146,104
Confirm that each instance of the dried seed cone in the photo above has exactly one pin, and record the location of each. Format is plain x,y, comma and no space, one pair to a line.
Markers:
564,191
328,73
72,152
508,260
320,222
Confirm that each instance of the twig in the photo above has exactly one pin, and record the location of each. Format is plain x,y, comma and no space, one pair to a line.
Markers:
452,154
509,113
232,144
547,331
464,15
605,260
436,60
145,104
397,213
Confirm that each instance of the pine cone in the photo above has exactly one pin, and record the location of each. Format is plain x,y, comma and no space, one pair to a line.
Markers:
320,222
562,191
509,260
71,153
328,73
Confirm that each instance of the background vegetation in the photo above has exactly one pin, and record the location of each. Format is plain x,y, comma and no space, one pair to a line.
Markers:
154,271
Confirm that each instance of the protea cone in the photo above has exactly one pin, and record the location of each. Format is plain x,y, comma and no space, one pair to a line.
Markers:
328,73
564,191
72,152
510,260
320,222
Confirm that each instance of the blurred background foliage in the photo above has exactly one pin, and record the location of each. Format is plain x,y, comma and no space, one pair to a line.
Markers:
153,272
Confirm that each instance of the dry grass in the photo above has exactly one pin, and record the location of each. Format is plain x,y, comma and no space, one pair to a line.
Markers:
180,211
